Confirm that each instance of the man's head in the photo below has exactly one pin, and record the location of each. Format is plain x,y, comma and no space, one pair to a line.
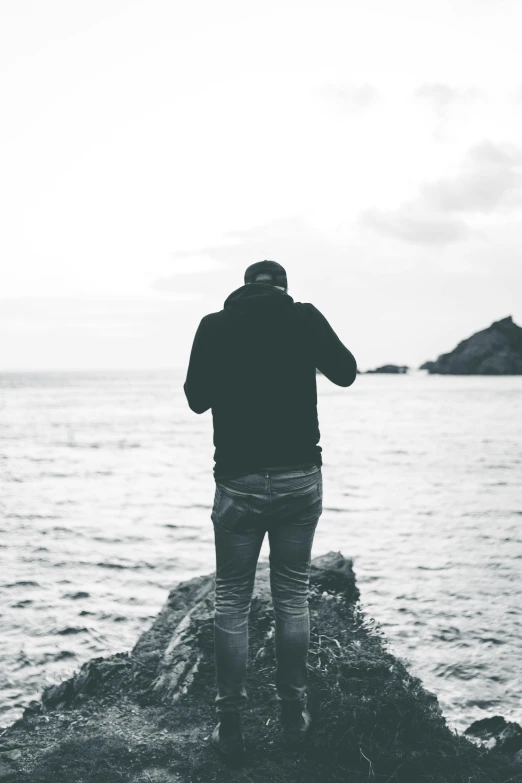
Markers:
267,272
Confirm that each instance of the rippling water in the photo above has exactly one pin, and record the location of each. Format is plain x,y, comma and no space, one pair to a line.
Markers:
106,490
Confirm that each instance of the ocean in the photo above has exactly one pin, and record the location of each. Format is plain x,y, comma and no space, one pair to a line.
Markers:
106,490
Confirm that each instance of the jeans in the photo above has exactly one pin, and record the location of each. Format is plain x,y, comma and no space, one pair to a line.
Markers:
287,504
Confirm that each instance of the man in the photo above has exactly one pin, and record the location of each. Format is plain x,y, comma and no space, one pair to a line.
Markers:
254,363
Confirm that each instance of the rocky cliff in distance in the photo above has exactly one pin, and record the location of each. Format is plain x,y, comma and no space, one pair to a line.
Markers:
496,350
391,369
146,716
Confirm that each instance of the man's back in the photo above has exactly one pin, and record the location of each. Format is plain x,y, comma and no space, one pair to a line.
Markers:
254,363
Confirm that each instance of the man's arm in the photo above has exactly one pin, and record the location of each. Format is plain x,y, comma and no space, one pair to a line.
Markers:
332,357
199,382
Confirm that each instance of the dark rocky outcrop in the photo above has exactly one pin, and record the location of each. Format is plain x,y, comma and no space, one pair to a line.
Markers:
393,369
147,715
497,732
496,350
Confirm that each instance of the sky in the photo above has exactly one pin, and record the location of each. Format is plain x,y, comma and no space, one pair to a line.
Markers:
151,150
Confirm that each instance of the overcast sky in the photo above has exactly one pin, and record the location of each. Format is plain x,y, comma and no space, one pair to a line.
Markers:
150,150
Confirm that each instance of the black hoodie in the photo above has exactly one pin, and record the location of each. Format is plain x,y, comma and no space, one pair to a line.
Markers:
254,363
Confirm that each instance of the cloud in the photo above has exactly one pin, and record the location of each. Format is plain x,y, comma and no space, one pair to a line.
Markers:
413,224
205,269
489,180
190,263
277,229
351,95
306,254
442,95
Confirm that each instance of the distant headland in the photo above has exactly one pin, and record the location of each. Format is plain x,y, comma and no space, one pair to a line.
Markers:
496,350
391,369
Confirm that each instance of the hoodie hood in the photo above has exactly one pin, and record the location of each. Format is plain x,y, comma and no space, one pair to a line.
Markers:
256,295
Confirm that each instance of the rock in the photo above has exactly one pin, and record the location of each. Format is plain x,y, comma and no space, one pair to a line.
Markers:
54,694
179,663
34,707
496,732
11,755
82,684
166,658
155,775
181,658
147,716
333,573
496,350
399,369
8,745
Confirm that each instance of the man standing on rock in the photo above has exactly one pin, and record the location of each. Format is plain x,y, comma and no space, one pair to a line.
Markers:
254,364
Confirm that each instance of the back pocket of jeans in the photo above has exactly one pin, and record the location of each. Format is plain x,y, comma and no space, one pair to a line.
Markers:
302,485
234,488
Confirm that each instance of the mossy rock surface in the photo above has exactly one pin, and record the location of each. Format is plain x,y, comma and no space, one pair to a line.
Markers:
146,716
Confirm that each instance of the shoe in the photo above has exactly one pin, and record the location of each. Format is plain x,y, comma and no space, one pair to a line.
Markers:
296,722
228,735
